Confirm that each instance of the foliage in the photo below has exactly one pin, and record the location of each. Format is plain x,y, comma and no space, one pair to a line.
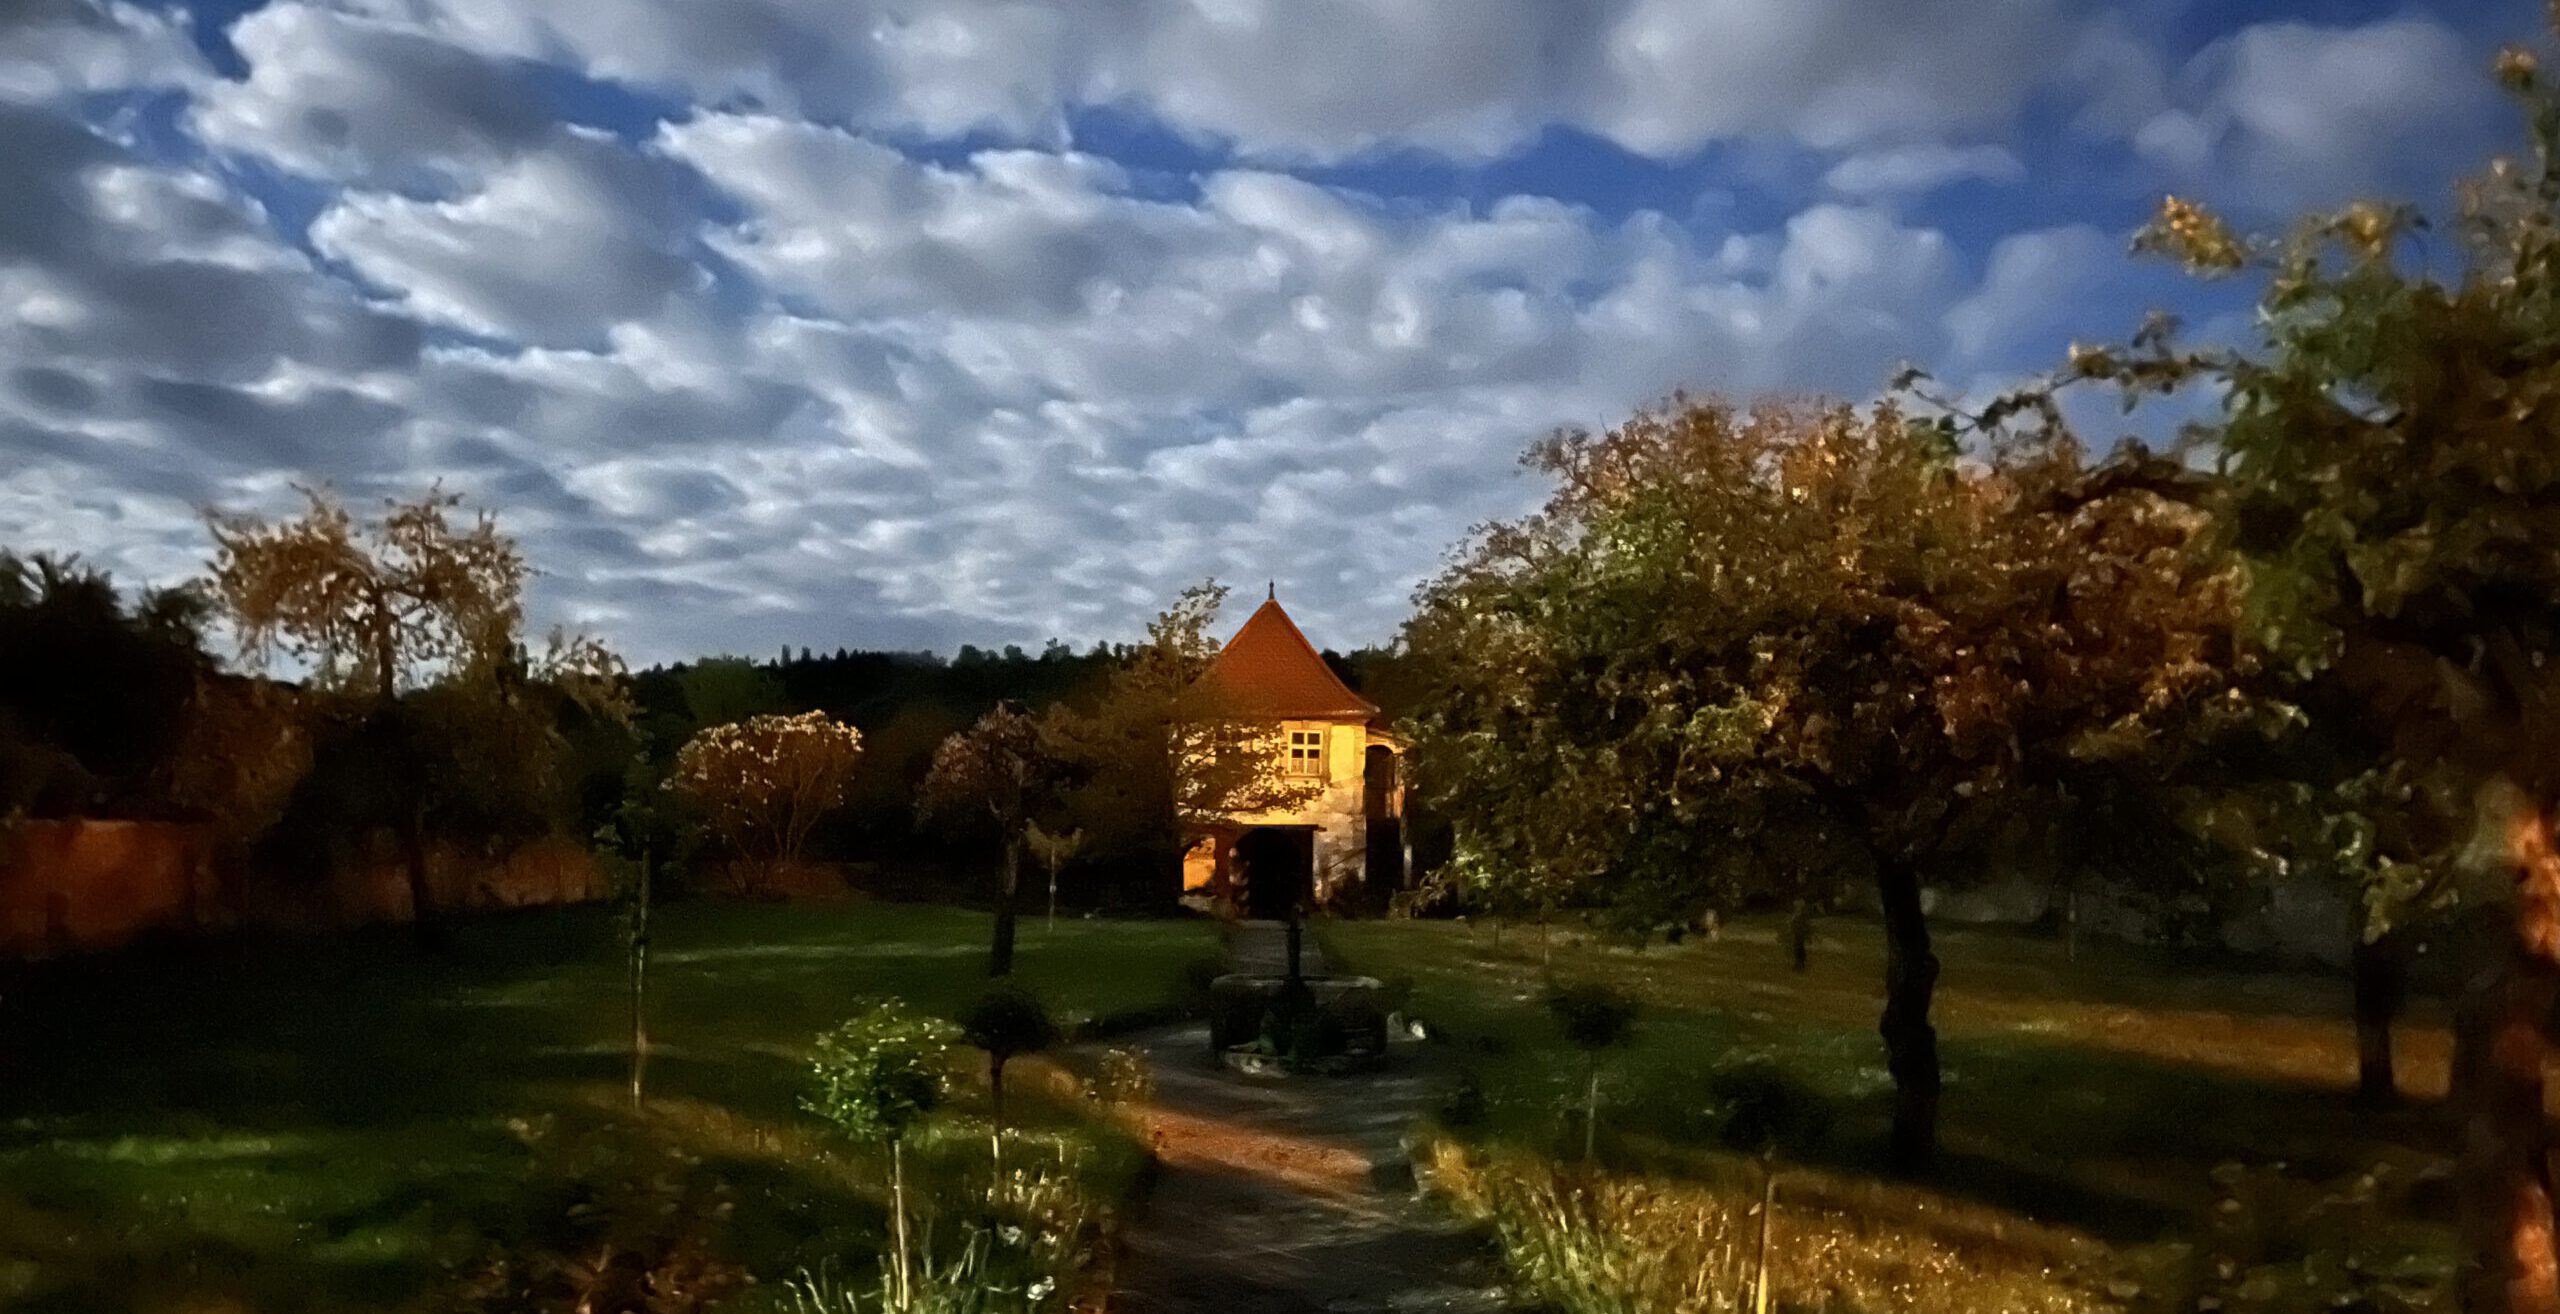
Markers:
1601,1243
2389,467
1029,1218
724,690
632,1226
874,1074
1159,752
413,621
97,698
998,767
1123,1079
1593,1015
1811,625
373,607
1801,619
1008,1021
761,785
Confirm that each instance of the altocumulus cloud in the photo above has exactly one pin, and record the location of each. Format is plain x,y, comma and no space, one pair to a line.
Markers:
805,321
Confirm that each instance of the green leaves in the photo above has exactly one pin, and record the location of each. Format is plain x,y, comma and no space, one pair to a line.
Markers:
881,1070
1725,614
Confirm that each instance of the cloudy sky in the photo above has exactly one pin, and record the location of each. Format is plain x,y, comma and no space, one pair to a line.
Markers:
908,324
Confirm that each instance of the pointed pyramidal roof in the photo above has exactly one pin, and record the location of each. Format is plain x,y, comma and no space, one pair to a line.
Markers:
1270,670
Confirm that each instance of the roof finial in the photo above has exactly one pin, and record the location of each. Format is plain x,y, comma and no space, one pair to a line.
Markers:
1274,594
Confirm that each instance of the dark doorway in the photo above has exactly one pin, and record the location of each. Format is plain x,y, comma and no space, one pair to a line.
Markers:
1378,779
1278,867
1383,806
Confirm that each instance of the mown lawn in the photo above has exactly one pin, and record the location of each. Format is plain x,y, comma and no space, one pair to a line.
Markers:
335,1124
2133,1129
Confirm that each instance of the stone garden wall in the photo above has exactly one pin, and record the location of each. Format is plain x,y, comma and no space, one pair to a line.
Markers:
76,886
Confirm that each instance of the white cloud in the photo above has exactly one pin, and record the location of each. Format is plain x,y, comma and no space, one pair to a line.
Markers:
2033,281
1908,169
554,247
2282,116
339,96
51,49
1324,78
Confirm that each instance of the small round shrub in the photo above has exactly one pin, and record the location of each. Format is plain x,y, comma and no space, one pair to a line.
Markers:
874,1074
1007,1021
1592,1015
1765,1108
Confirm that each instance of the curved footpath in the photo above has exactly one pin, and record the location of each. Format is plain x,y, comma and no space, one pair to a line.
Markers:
1291,1196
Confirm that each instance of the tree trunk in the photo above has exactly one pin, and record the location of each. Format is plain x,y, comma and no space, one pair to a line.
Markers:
995,1086
1297,943
1009,883
1591,1113
413,854
2501,1043
1800,936
1910,1041
640,982
2380,985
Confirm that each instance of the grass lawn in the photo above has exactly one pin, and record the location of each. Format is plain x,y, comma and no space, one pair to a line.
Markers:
334,1124
2131,1129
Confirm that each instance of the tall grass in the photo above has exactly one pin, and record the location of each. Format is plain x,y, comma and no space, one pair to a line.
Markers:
1593,1242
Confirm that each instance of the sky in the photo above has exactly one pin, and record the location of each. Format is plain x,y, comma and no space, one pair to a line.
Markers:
834,323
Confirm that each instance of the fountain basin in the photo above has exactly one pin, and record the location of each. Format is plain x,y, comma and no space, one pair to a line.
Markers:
1269,1025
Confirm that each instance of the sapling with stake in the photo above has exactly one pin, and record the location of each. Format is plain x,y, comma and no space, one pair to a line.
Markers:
1595,1017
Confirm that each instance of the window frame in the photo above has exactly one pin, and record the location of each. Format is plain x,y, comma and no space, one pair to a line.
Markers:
1304,752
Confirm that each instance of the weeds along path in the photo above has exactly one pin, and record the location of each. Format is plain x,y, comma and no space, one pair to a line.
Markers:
1282,1196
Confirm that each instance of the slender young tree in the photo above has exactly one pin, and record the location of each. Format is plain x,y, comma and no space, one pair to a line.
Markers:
1001,769
1055,851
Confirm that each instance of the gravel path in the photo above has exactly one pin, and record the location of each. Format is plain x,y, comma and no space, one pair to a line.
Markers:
1291,1195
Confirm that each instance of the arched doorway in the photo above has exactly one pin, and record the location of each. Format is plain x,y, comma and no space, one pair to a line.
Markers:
1278,867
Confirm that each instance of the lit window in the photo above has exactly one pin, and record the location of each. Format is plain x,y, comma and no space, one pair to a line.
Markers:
1306,752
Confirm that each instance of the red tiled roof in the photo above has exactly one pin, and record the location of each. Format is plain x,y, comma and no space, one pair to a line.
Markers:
1270,670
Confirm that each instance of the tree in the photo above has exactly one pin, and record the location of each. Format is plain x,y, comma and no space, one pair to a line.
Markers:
724,690
1595,1018
1054,851
2390,445
1723,617
1007,1022
873,1077
97,698
1001,767
1160,754
387,609
762,784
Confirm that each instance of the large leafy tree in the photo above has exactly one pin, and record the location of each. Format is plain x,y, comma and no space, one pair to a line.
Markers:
1808,618
409,623
1159,754
997,771
2391,446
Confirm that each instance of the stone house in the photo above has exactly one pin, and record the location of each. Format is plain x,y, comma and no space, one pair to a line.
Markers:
1348,842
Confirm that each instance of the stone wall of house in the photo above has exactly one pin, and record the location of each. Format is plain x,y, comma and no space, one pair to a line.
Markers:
77,886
